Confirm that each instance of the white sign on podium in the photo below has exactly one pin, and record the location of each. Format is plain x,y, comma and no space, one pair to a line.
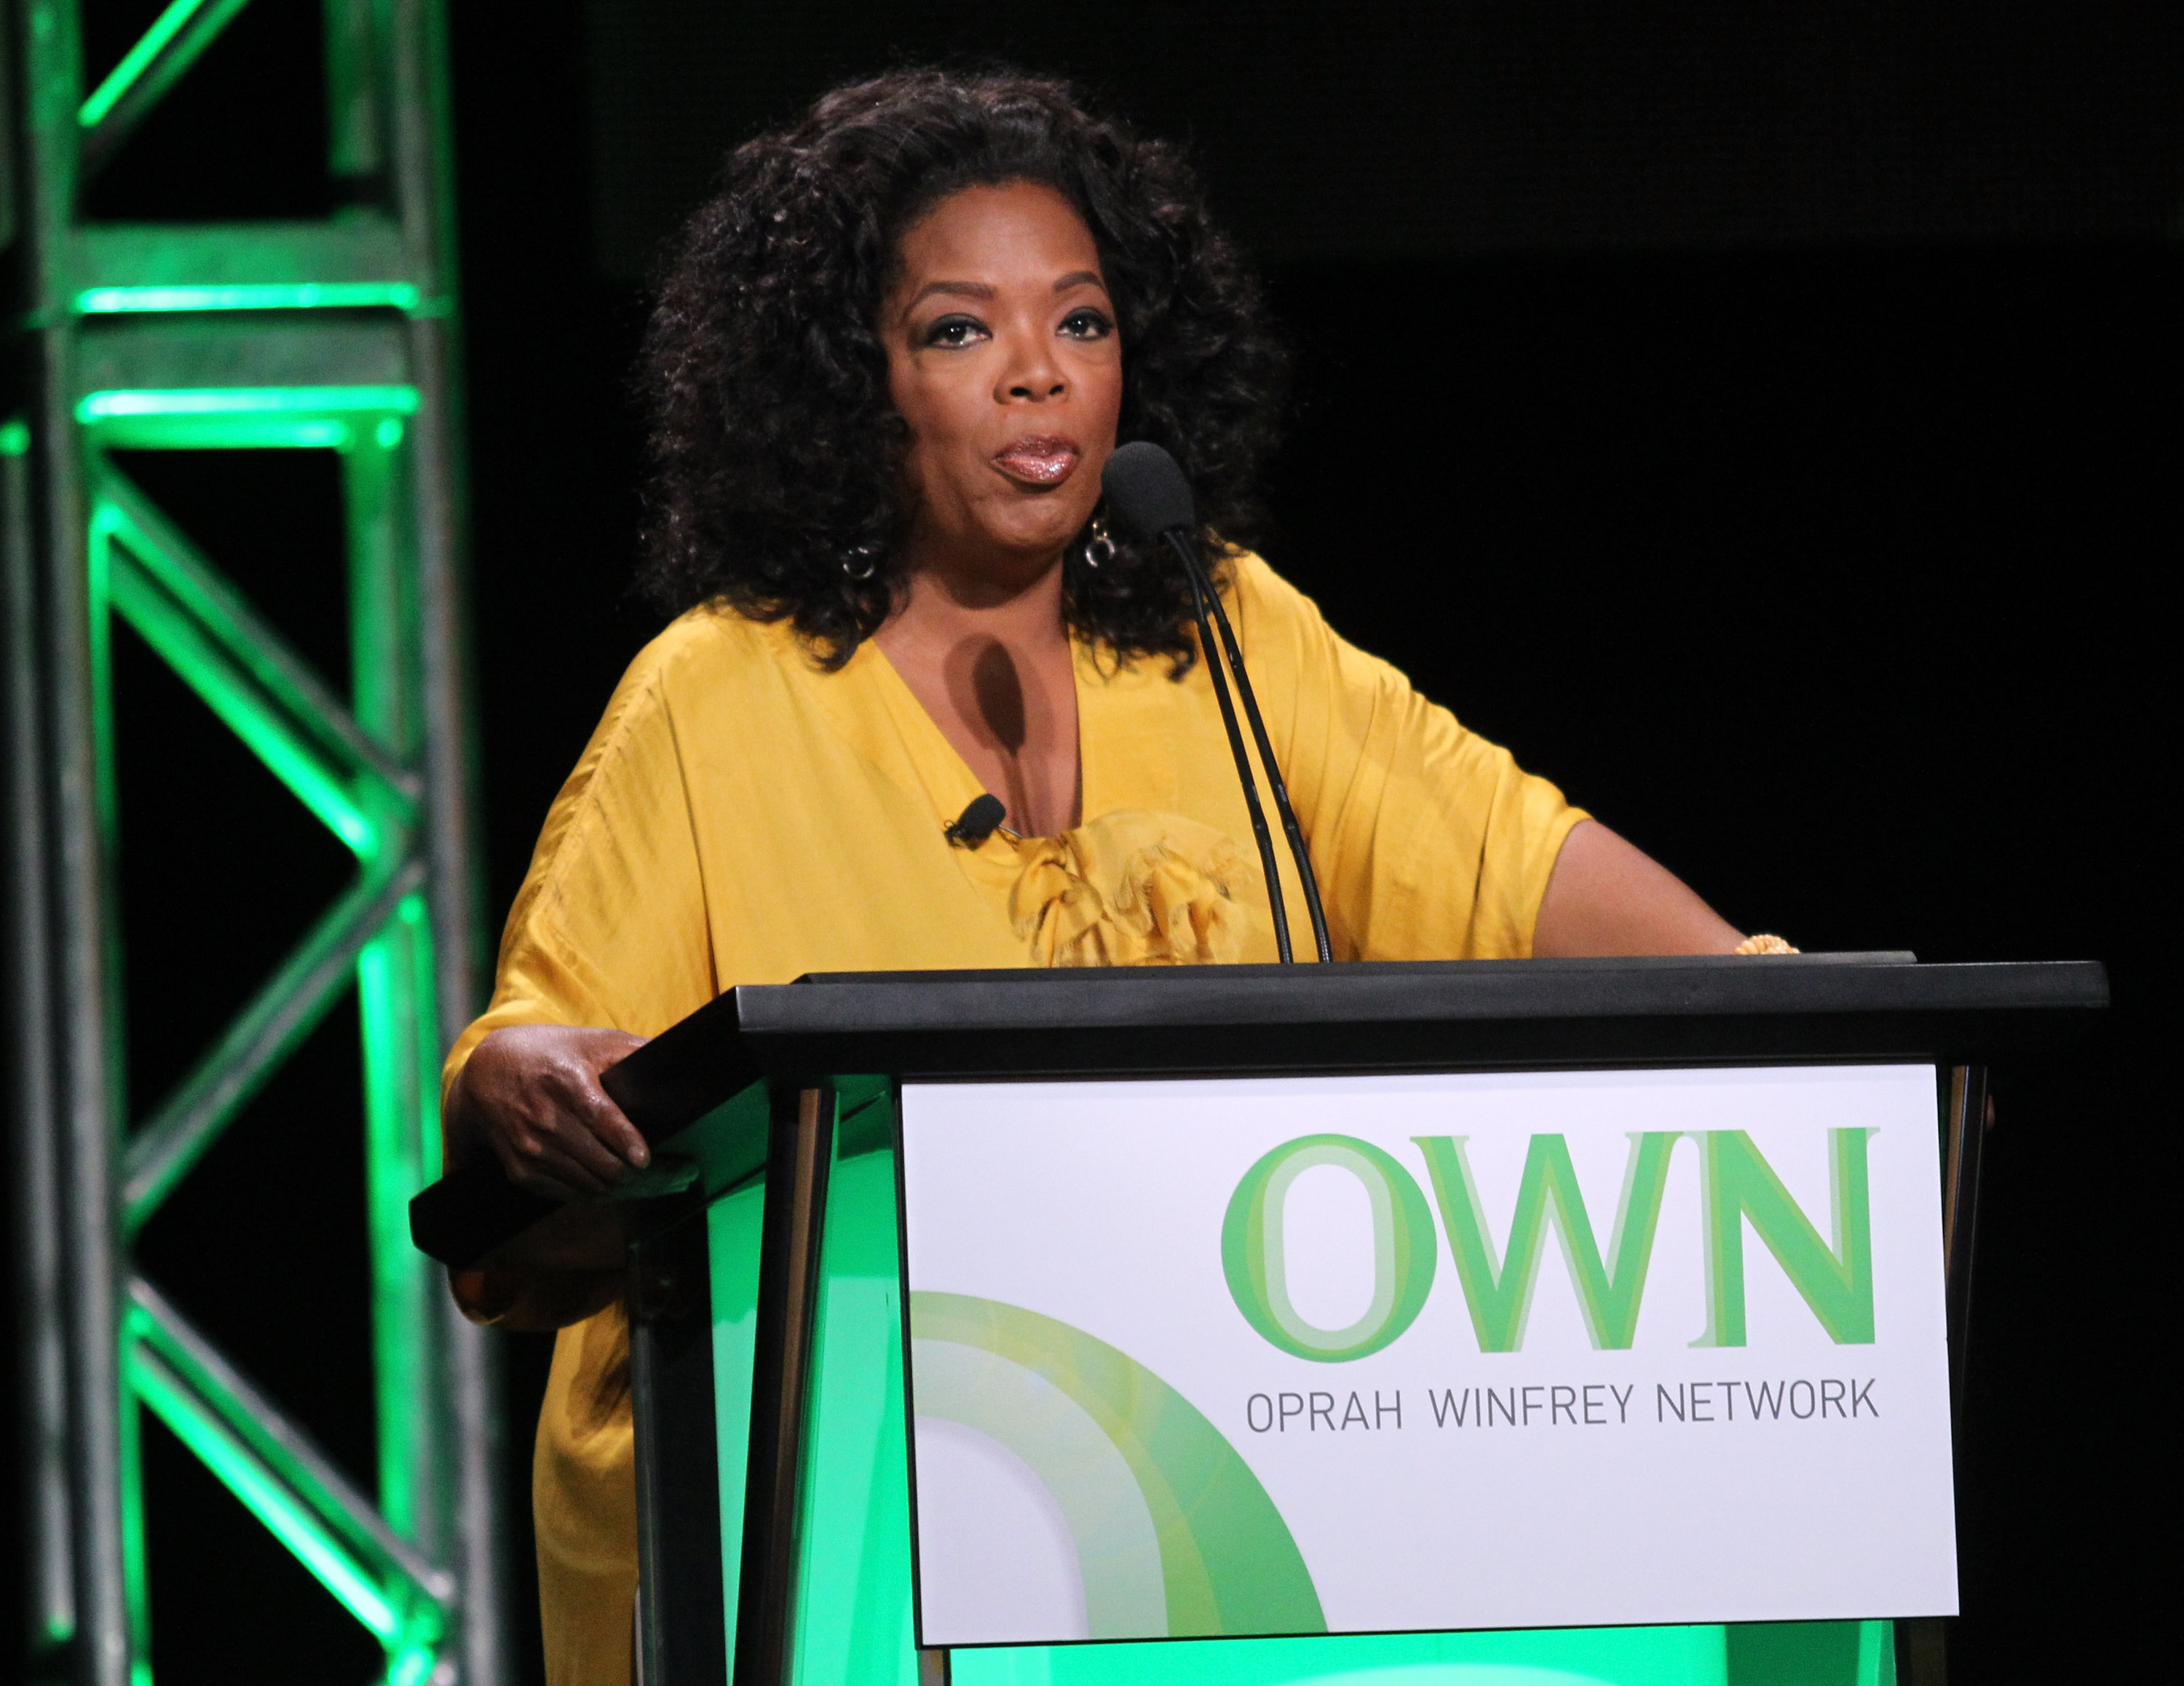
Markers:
1379,1353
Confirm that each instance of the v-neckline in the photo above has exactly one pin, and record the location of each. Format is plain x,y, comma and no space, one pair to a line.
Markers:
940,764
1126,724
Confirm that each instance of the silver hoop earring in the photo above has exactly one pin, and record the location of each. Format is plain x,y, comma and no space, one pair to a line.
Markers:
1098,549
862,563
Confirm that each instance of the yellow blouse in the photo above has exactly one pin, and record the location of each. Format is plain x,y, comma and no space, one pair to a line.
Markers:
742,817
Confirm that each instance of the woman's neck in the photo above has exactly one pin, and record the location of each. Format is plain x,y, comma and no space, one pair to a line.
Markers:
991,662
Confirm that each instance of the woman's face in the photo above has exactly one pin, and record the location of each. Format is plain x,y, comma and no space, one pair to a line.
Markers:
1003,359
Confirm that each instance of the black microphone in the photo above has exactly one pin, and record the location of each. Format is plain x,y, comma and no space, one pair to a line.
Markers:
1150,499
976,823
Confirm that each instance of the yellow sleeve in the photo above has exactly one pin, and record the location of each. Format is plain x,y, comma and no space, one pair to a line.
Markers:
609,928
1429,842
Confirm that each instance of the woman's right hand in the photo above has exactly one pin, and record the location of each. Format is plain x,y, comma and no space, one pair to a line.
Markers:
530,1094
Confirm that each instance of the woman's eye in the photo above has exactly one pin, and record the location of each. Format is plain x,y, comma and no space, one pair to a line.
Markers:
1087,324
954,331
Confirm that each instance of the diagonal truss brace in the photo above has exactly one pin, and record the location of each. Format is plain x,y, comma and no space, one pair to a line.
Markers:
261,691
274,1468
118,104
282,1014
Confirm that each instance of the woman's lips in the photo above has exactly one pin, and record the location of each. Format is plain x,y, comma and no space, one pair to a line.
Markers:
1041,459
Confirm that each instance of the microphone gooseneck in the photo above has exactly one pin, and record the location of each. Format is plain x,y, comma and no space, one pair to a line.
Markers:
1150,499
1180,543
1290,830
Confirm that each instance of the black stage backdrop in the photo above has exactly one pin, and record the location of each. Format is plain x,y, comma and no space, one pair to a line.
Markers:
1765,422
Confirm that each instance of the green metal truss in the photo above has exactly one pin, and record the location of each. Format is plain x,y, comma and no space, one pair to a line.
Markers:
330,337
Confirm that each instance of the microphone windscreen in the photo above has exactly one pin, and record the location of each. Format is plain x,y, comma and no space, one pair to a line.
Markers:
1147,495
976,822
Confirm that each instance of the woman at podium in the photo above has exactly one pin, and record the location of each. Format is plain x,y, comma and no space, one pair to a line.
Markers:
884,375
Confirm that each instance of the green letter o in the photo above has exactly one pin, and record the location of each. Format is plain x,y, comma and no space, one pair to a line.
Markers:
1253,1257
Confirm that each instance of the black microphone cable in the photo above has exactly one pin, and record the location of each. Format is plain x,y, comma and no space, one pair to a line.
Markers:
1150,499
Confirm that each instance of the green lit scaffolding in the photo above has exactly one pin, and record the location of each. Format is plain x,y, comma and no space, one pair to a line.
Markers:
332,335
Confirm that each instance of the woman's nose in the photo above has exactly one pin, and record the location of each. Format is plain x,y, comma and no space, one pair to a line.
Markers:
1031,376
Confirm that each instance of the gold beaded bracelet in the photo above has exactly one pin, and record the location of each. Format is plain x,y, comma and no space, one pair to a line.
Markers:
1764,945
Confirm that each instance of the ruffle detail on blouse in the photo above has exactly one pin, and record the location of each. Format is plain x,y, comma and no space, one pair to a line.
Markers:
1132,889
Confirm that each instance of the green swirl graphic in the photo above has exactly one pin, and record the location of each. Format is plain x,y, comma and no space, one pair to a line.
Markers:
1225,1562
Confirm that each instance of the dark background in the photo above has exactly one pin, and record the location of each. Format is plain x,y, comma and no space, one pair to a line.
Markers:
1764,420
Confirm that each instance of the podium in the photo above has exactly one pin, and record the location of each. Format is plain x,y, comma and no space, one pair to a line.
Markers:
838,1162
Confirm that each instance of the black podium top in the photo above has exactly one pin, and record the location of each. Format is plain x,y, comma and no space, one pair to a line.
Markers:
1266,1020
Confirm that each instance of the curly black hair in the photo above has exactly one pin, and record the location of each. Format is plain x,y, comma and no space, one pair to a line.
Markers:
776,451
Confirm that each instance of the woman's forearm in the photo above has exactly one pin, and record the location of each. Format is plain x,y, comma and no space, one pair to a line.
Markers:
1607,897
